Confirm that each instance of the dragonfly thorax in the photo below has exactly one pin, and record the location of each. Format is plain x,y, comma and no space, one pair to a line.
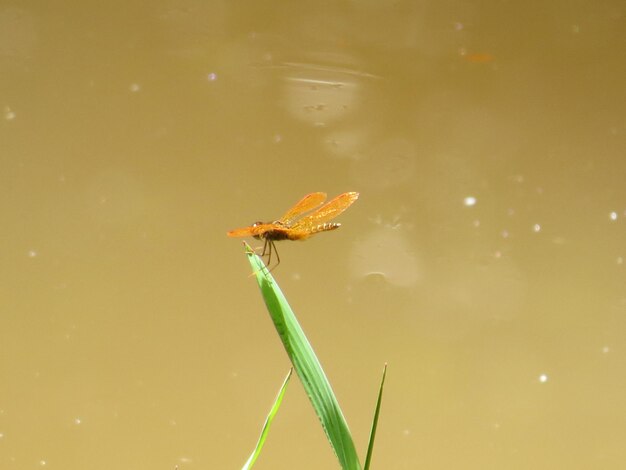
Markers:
279,232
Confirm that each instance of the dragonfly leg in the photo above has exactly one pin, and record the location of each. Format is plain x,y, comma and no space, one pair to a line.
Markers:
276,253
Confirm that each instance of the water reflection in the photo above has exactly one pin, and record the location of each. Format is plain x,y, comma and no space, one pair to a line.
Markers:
389,163
320,95
387,252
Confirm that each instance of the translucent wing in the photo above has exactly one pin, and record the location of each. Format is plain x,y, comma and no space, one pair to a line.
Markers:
304,205
327,212
251,231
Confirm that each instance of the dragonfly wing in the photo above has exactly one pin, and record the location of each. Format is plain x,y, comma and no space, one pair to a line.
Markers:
304,205
251,231
327,212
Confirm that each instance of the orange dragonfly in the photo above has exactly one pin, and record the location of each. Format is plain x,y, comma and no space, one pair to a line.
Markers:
298,223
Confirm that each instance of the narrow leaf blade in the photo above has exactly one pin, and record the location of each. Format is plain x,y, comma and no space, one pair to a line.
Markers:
307,366
370,445
268,421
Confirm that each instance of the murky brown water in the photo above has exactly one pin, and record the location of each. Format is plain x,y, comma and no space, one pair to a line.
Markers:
484,261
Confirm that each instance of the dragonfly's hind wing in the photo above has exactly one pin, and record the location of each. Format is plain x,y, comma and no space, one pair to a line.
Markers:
304,205
316,221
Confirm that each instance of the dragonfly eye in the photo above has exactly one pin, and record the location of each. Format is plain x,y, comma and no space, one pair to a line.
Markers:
256,224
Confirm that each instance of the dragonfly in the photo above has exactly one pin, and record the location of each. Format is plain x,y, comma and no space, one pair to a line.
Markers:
307,217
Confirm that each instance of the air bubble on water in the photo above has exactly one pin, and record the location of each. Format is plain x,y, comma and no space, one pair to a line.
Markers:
9,114
469,201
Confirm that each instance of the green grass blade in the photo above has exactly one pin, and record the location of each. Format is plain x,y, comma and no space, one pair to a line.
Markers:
268,421
370,445
307,366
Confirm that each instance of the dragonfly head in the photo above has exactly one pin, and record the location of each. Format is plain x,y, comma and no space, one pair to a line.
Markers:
256,224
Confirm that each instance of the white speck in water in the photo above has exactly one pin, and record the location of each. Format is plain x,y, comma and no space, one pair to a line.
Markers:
613,215
505,234
134,87
497,255
476,223
9,114
278,138
406,432
605,349
543,378
32,254
42,463
1,435
536,228
77,421
211,77
619,260
469,201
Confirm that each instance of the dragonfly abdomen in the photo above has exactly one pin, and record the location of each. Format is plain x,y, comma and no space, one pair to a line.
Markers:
325,227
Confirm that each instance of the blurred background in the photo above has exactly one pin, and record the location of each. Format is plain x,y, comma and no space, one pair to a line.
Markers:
484,260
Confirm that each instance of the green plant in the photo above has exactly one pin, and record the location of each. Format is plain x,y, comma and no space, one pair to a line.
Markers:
310,372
